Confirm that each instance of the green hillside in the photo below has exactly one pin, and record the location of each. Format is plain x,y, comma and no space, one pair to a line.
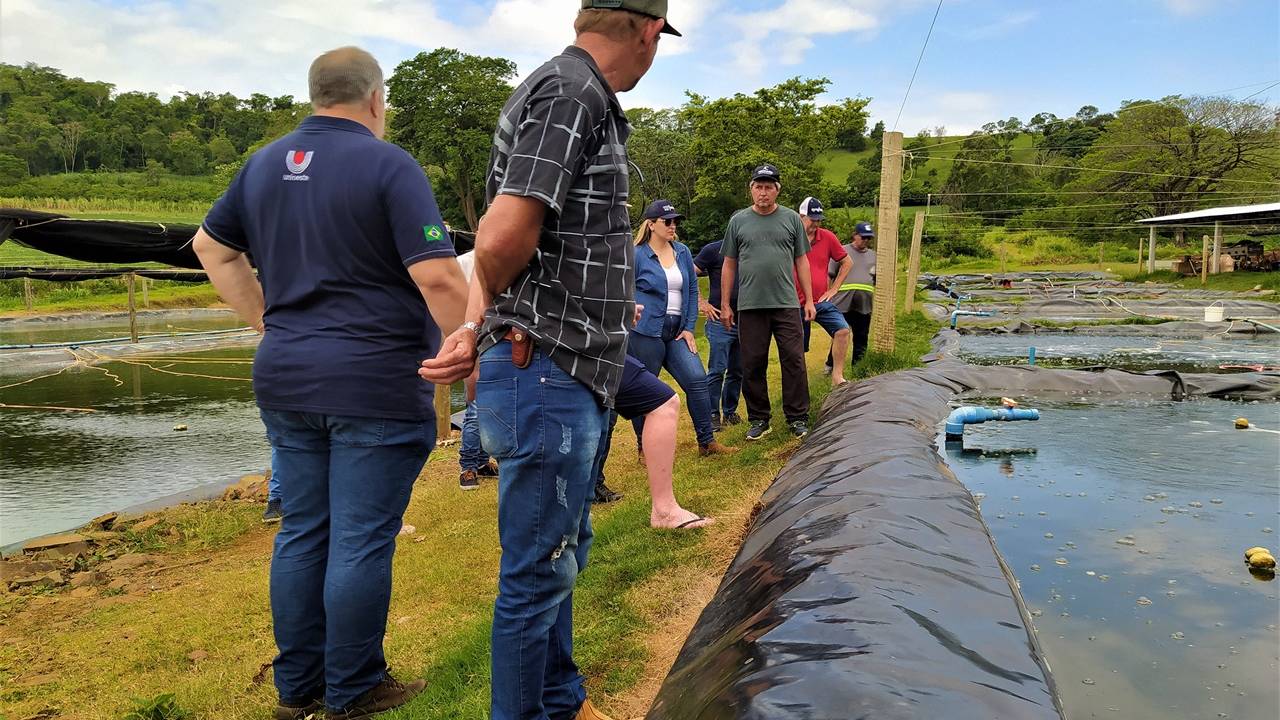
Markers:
838,163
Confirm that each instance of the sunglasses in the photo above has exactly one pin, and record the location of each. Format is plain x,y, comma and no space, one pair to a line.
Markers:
669,222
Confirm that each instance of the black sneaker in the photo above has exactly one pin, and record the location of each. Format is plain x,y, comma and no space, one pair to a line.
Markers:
388,694
758,430
300,712
732,419
468,480
717,424
604,495
799,428
274,511
489,469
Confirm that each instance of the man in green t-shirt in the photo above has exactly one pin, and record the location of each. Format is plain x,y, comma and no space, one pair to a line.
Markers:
765,246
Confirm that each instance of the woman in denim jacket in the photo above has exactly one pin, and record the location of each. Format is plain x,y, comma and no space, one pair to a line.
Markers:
667,288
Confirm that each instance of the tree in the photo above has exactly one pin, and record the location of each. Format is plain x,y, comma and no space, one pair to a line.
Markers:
664,166
188,155
446,108
221,151
877,133
13,169
1171,153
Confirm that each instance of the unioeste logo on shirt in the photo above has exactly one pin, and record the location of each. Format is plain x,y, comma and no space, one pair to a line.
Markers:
297,162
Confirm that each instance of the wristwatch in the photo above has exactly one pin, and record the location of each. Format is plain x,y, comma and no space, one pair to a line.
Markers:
472,326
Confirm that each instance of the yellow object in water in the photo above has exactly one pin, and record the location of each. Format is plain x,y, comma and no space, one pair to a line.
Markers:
1262,560
1242,423
1254,551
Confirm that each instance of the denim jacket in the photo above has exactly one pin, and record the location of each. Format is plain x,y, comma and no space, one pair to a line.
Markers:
651,289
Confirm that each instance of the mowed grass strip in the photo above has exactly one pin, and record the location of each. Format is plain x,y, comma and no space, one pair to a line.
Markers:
93,657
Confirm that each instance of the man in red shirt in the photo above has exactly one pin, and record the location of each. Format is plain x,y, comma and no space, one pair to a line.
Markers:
825,249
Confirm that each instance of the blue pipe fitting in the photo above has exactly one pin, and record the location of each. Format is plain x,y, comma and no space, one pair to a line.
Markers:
972,415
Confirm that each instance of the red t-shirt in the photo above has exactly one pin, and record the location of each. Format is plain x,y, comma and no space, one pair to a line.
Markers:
824,248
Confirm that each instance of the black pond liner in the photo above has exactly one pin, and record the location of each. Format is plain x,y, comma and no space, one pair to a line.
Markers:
868,585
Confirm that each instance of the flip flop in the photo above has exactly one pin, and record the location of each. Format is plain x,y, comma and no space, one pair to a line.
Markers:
687,523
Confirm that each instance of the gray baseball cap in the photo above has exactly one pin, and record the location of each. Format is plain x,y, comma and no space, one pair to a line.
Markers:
652,8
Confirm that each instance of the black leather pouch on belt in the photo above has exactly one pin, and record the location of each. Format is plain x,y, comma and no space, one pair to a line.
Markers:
521,347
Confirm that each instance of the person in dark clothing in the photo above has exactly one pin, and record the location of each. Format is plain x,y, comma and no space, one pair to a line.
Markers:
724,364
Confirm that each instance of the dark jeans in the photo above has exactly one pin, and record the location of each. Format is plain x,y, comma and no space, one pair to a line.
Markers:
786,327
724,368
860,326
471,456
345,483
544,428
672,352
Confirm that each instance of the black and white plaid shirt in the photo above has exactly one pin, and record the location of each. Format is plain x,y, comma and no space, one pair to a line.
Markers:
562,139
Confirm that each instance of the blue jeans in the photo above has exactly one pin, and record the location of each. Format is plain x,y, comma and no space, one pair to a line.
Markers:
672,352
724,368
471,456
544,427
346,482
273,482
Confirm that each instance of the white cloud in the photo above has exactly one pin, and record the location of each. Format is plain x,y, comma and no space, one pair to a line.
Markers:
1191,7
242,46
1001,27
784,34
961,112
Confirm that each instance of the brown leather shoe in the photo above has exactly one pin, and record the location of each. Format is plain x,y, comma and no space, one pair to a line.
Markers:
589,712
715,448
388,694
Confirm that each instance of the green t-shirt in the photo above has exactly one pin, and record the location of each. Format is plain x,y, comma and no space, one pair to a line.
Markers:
766,247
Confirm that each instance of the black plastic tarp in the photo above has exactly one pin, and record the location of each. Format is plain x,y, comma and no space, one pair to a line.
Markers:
103,241
868,585
91,273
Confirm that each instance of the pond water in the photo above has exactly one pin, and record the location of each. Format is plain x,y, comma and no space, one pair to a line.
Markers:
1126,530
30,333
1122,350
61,469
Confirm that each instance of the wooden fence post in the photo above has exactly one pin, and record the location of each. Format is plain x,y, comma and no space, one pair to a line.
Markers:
28,294
1141,242
129,281
1204,261
884,306
1151,251
913,264
1217,247
444,412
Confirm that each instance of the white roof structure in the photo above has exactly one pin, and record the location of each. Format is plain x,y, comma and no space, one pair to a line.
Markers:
1262,213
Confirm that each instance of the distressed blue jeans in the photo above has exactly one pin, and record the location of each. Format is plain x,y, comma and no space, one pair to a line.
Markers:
724,368
544,428
345,484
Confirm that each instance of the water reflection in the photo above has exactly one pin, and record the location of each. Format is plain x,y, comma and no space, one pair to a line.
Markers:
1129,351
60,469
1153,614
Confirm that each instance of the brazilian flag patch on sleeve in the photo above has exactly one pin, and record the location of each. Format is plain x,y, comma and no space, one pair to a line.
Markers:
433,233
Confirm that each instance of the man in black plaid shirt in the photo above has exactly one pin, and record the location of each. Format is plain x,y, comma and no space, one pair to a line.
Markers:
554,270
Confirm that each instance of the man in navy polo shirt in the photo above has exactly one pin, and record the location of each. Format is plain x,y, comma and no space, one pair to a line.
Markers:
360,278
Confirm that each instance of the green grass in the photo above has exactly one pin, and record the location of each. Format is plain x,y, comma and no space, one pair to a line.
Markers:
1233,281
838,163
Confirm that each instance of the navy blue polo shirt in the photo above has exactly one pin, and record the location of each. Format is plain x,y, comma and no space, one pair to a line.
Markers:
712,263
333,217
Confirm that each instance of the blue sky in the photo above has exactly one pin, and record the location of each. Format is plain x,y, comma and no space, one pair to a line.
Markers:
987,59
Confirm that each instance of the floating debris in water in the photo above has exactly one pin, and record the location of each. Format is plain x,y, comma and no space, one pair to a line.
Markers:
1178,636
1162,496
1061,561
1149,498
1088,681
1168,509
1127,540
1037,613
1144,600
1215,501
1048,536
179,428
1267,530
979,496
1104,578
1195,504
1035,568
1042,513
1090,573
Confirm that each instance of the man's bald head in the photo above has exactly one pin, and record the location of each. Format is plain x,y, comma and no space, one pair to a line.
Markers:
345,76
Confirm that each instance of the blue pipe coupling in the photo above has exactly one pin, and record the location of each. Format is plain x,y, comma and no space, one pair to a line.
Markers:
972,415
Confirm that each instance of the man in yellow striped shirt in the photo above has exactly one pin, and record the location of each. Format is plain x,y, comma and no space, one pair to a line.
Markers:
856,292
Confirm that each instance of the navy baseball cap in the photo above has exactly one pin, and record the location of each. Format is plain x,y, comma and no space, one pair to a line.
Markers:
811,208
863,229
662,210
766,172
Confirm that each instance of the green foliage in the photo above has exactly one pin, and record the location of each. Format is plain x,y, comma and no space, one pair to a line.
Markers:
155,184
57,124
160,707
13,169
447,104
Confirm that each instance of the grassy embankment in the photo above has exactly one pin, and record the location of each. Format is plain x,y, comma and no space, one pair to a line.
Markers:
202,631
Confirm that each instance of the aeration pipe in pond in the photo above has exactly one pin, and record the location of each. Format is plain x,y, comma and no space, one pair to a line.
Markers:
972,415
971,313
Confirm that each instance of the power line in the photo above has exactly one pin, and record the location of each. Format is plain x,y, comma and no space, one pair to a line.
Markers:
1115,172
918,61
1246,97
978,213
